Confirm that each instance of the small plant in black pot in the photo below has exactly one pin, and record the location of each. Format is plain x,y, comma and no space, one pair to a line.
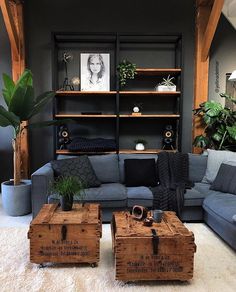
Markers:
66,187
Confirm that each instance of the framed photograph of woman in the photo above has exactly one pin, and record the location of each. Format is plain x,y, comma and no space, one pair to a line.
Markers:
95,72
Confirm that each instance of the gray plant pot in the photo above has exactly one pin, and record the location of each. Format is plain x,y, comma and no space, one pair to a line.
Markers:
16,200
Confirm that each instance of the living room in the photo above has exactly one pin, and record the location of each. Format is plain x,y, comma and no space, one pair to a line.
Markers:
161,43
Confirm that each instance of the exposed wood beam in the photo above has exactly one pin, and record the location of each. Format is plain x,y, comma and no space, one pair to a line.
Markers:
211,27
10,25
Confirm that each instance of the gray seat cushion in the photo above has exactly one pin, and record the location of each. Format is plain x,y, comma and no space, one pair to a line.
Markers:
221,204
192,197
197,167
139,196
122,157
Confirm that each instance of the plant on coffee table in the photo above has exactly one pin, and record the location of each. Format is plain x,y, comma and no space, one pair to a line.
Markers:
66,187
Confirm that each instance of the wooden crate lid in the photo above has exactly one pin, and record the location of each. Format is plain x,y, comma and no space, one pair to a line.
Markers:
52,214
127,226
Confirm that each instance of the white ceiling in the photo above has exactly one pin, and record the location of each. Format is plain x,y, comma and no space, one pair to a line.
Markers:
229,10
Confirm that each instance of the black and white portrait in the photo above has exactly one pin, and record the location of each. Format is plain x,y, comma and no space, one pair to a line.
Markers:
95,72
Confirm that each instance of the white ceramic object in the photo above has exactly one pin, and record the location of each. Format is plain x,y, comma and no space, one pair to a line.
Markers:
139,147
136,109
166,88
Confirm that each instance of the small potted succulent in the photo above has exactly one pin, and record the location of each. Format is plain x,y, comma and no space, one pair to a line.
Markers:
66,187
166,84
140,144
126,70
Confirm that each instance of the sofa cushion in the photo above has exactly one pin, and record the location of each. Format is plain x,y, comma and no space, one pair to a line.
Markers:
215,158
106,167
139,196
225,180
107,195
197,167
140,172
122,157
79,167
193,197
221,204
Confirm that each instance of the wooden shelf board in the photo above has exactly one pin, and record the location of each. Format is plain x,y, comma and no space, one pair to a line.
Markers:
146,151
77,92
157,71
65,151
83,116
151,116
146,92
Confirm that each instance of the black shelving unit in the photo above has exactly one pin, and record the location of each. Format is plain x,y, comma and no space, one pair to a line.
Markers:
156,56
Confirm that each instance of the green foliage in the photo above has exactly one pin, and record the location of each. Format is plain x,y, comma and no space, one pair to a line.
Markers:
142,141
127,70
20,101
167,81
220,125
67,186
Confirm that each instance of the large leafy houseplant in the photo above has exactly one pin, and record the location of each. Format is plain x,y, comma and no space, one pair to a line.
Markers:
21,106
219,125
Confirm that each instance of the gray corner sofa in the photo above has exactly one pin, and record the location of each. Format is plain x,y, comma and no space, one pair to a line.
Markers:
200,203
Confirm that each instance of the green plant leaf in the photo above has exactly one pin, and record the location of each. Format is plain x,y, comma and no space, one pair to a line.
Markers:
201,141
212,108
232,132
8,118
17,101
41,101
26,79
217,136
228,97
9,88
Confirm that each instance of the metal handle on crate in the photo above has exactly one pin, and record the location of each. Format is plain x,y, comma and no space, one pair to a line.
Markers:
155,241
63,232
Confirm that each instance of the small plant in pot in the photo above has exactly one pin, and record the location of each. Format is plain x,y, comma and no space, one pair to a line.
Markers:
21,106
126,70
66,187
166,84
140,144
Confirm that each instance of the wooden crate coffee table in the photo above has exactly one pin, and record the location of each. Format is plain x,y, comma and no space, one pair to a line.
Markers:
164,251
66,237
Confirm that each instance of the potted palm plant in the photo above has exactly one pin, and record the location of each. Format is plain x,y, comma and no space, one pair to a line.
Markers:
21,106
66,187
219,125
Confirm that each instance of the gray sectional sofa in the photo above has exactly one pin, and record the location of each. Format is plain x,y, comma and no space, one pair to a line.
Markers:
200,203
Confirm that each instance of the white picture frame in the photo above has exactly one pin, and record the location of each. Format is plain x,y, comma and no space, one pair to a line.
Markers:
95,71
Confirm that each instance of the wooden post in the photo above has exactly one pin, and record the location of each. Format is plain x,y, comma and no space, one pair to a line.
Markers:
13,17
207,16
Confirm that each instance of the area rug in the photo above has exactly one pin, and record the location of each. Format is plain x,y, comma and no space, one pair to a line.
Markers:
214,268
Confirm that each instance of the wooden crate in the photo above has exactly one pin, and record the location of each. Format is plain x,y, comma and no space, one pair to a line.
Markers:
66,237
141,256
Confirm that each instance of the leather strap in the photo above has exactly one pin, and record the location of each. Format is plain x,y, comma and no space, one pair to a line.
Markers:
155,241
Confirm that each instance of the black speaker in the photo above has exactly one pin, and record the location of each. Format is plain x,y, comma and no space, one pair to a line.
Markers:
63,137
168,138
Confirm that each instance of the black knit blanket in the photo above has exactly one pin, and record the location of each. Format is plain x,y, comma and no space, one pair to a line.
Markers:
174,179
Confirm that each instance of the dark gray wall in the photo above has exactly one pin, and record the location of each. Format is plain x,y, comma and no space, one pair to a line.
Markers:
5,133
43,17
222,58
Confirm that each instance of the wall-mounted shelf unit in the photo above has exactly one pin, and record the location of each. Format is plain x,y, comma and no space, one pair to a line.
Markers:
108,114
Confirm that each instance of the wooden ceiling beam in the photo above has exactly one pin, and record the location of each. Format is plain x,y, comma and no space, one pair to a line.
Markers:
10,25
211,27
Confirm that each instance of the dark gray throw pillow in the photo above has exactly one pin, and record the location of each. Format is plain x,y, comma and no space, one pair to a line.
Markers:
225,180
80,167
140,172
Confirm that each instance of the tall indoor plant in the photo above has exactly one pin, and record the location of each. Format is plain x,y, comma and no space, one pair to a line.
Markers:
219,125
21,106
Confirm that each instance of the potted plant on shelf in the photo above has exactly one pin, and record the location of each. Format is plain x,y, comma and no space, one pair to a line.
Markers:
66,187
126,70
140,144
21,106
166,84
219,125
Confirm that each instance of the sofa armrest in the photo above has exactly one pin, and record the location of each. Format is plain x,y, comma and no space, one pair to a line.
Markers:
40,179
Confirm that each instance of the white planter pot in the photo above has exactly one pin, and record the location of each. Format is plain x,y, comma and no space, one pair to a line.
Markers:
16,200
166,88
139,147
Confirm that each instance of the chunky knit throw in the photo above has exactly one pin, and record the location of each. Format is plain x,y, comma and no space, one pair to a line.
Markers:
174,179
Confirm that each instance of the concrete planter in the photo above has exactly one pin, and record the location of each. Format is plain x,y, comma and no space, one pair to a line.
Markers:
16,200
166,88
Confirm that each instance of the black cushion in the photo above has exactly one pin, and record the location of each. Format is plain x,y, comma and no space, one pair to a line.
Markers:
140,172
225,180
80,167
